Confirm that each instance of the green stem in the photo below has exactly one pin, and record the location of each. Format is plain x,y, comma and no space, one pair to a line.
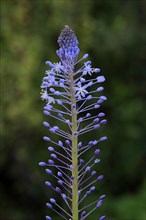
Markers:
74,151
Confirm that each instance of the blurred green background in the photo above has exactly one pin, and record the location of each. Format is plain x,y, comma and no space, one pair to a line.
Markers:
113,33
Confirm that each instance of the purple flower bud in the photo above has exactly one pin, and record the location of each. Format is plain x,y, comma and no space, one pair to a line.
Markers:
96,126
53,156
76,133
83,213
46,138
68,122
96,120
89,97
94,142
58,190
60,143
103,122
72,177
48,218
45,84
52,130
49,205
99,203
93,173
48,171
96,106
46,112
100,79
103,138
64,196
79,192
96,161
88,115
48,107
67,142
92,188
100,177
100,89
60,115
56,128
59,174
102,197
73,105
48,184
85,56
70,167
88,62
102,217
82,80
46,78
51,149
90,83
87,169
88,193
53,200
59,102
42,164
91,143
46,124
80,120
68,44
51,162
62,80
81,161
80,144
96,152
101,114
52,90
97,70
60,182
103,97
49,64
57,93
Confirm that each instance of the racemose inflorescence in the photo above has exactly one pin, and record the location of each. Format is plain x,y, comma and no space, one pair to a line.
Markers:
73,98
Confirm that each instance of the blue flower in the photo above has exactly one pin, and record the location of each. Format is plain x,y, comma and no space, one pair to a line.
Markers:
87,69
80,90
58,67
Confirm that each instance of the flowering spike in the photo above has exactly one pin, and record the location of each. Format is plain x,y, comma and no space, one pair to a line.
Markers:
70,95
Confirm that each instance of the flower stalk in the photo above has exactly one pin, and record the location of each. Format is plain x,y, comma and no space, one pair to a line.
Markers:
70,98
74,149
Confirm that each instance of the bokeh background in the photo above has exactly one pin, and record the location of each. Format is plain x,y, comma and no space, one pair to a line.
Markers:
113,33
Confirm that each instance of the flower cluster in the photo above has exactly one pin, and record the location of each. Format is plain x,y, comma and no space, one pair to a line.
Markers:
70,94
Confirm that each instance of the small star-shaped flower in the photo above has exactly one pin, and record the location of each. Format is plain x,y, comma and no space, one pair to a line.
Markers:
58,67
51,77
87,69
80,90
46,97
